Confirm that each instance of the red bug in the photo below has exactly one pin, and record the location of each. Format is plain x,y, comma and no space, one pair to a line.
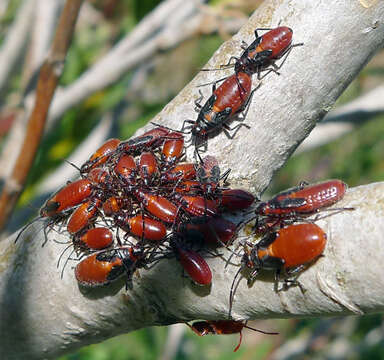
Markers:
96,238
81,217
236,199
158,206
101,155
69,196
172,149
188,187
223,327
149,139
142,226
227,100
303,199
215,230
265,49
113,205
98,176
185,171
126,169
194,265
286,251
208,175
197,205
148,167
99,269
104,267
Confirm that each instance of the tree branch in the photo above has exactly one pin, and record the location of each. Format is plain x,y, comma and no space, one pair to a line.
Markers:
15,40
42,315
344,119
40,311
48,78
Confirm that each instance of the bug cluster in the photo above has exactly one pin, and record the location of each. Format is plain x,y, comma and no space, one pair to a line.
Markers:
138,201
141,186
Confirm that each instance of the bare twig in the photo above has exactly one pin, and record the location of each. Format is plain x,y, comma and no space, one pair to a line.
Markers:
48,79
45,20
130,52
344,119
155,32
13,45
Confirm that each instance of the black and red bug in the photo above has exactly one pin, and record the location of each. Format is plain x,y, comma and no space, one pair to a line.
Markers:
67,197
100,156
265,50
304,198
148,167
286,251
142,226
126,169
262,53
148,140
157,205
82,216
96,238
172,149
226,101
223,327
101,268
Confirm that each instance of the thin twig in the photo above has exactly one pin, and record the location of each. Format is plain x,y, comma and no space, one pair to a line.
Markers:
15,40
48,79
344,119
45,21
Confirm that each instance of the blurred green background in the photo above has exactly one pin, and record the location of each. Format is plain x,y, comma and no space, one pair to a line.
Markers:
356,158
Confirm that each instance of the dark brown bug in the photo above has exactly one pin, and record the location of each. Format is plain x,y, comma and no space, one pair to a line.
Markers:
223,327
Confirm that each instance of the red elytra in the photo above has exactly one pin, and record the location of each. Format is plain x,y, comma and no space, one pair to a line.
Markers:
146,227
304,199
195,266
197,205
223,327
101,155
92,272
232,93
157,205
276,40
126,169
295,245
172,148
215,230
69,196
81,217
236,199
184,171
97,238
148,167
